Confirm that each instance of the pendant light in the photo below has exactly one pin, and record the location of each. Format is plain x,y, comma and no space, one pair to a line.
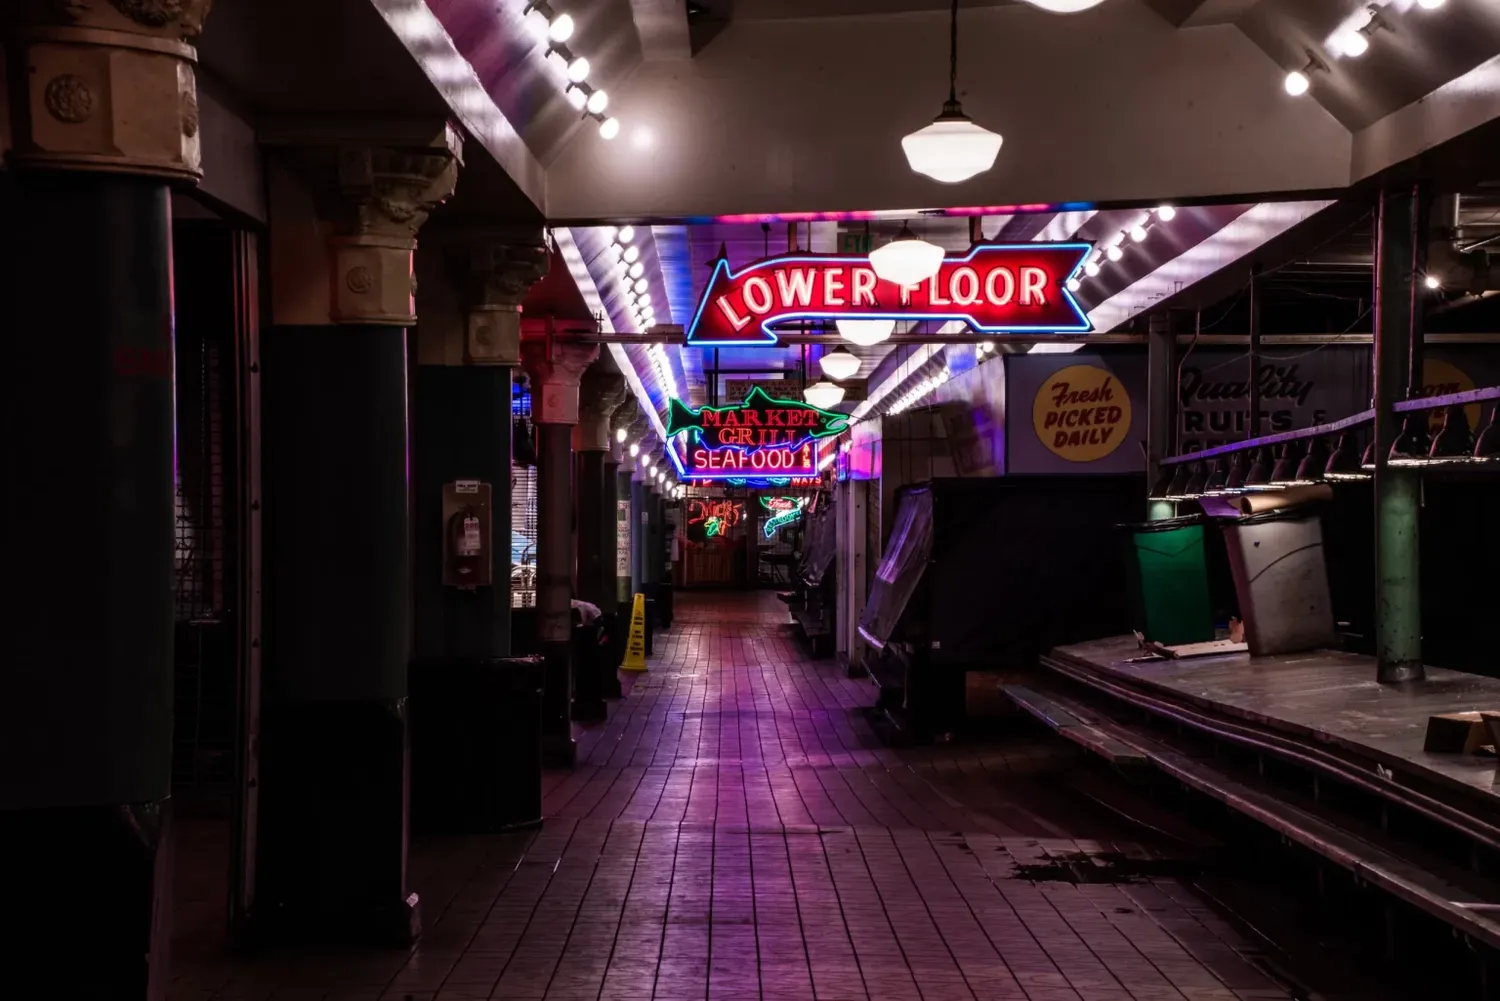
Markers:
1197,483
839,364
1064,6
1345,463
1259,477
906,260
1235,481
1487,446
952,148
1412,444
1284,473
1218,475
866,332
1314,463
824,395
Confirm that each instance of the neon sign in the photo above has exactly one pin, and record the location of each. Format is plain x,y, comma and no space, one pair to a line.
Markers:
716,516
760,437
784,511
993,288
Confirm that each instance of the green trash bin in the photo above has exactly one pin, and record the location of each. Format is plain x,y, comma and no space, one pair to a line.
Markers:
1168,580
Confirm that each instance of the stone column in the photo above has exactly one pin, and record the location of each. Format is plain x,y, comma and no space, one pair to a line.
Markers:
102,113
594,491
618,517
555,370
461,423
334,803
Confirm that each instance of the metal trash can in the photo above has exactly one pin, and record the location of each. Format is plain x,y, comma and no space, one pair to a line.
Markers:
476,745
1281,580
1167,579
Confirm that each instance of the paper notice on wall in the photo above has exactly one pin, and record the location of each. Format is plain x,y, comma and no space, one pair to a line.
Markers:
622,545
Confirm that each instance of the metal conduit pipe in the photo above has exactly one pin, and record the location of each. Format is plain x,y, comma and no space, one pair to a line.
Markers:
1284,747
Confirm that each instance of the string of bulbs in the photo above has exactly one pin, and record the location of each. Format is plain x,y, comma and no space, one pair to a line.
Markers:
1112,249
556,28
1349,41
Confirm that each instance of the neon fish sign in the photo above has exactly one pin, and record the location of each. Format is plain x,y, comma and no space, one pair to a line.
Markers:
993,288
716,517
759,437
784,511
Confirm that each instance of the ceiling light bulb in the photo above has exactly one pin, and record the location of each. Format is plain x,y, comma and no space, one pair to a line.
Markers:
1430,4
839,364
647,462
1091,269
1351,43
578,70
1297,83
1138,233
609,128
645,297
866,332
1074,284
1114,253
642,285
576,97
598,101
626,234
632,254
1432,281
620,436
561,28
906,260
1166,213
635,449
609,233
823,395
637,269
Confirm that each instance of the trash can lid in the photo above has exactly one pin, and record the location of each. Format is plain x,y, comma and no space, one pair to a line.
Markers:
1164,525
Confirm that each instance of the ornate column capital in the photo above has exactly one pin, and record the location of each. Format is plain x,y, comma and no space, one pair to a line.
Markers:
105,85
494,268
556,370
600,392
375,195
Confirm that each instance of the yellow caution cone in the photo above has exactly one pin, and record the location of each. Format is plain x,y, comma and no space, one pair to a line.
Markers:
635,647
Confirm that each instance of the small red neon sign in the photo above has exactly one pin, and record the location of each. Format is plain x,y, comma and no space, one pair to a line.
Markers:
993,288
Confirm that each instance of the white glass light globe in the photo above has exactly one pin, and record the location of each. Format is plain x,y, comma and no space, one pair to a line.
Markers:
1352,43
906,260
1430,4
951,149
598,101
839,364
561,28
1065,6
823,395
1297,83
578,70
866,332
609,128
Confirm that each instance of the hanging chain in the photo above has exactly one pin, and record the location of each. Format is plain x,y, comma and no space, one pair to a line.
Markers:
953,56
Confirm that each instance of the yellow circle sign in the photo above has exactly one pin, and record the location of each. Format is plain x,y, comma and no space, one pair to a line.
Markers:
1081,413
1439,378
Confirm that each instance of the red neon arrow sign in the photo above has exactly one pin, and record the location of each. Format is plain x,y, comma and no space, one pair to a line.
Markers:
994,288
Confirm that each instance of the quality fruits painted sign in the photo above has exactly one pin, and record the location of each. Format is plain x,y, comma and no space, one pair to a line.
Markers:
994,288
759,437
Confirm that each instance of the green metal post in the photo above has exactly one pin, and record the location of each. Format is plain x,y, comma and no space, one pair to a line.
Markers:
1399,255
1161,392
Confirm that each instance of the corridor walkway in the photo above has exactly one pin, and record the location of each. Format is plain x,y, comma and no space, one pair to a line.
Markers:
736,831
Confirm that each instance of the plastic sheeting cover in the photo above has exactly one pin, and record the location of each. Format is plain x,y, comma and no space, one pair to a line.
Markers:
906,556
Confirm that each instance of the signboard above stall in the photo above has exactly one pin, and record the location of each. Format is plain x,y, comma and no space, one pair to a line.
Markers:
993,288
761,437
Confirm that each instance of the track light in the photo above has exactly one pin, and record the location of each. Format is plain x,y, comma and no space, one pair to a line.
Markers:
576,96
1298,82
1166,213
626,234
597,102
609,128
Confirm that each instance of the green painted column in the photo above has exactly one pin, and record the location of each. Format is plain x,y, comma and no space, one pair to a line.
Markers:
1400,255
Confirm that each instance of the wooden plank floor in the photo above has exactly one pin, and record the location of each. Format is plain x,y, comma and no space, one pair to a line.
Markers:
1330,695
736,830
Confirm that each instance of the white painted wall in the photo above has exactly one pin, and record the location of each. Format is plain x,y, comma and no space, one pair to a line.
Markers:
808,115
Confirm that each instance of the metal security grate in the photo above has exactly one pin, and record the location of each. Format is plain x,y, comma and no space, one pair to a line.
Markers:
199,542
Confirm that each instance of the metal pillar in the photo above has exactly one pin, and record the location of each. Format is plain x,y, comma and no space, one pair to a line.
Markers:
1161,392
87,531
332,851
1398,602
555,370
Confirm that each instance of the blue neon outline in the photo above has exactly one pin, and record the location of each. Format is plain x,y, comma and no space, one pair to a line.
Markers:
770,339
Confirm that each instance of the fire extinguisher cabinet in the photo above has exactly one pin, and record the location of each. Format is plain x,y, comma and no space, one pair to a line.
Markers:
476,745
